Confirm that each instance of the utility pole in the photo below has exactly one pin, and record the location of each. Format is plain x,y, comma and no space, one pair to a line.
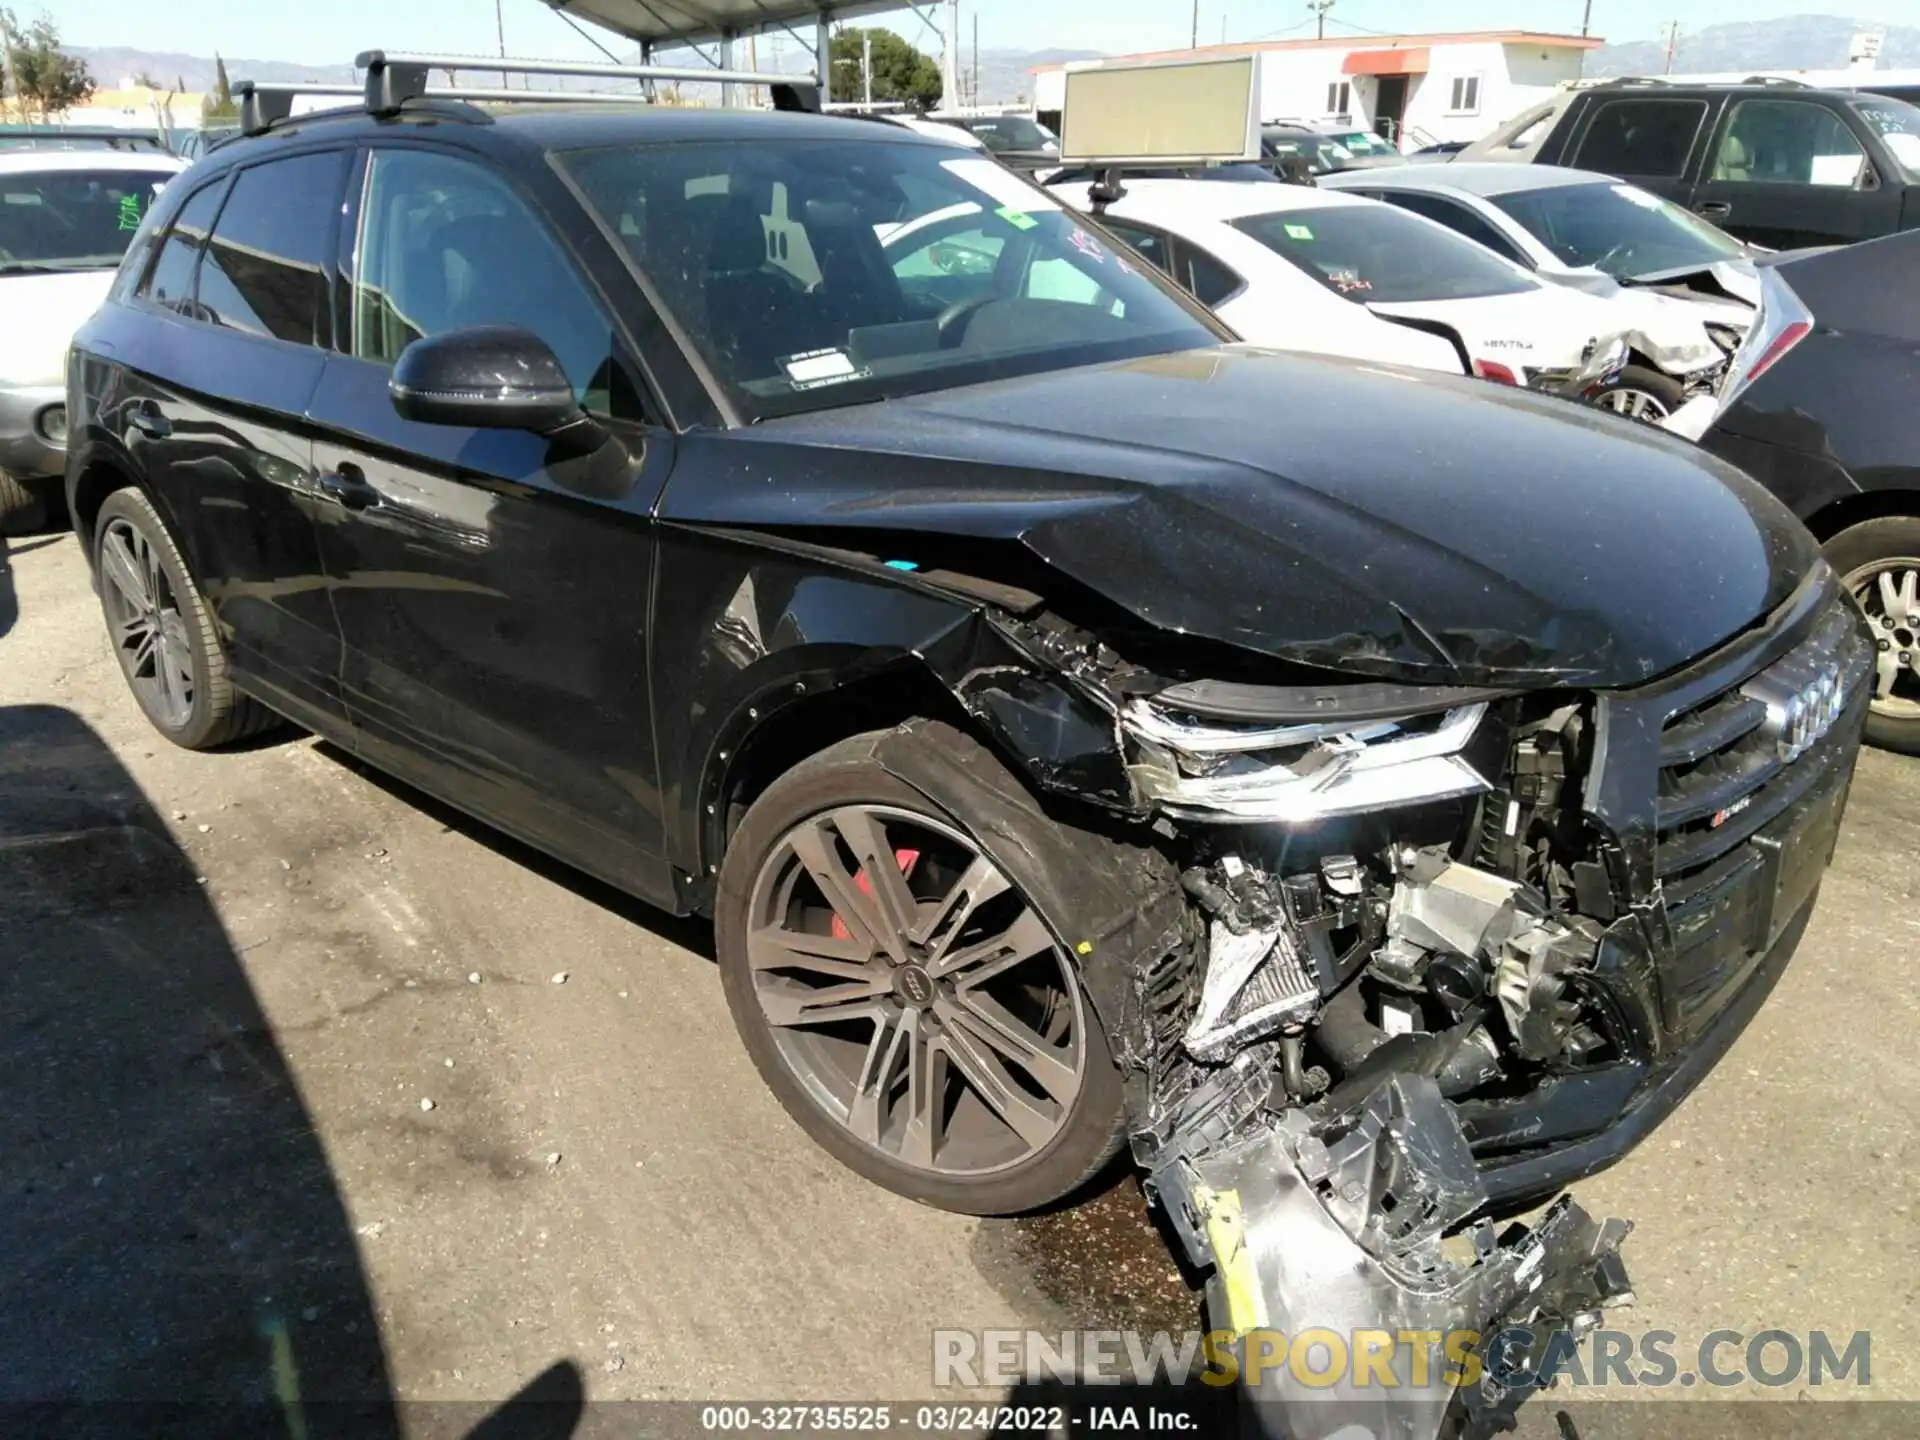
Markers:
500,32
1586,19
1673,43
1194,43
1320,8
866,67
973,89
950,53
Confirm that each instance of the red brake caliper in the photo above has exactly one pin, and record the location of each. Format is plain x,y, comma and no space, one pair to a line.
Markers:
905,859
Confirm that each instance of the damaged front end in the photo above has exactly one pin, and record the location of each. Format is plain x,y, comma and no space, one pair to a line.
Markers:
1448,956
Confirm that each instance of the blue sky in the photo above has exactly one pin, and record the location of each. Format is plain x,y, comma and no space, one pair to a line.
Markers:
331,31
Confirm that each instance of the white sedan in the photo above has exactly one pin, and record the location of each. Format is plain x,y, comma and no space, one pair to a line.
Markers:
66,217
1301,268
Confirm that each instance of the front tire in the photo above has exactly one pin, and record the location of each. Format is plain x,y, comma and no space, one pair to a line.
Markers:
1639,393
902,995
1879,560
162,631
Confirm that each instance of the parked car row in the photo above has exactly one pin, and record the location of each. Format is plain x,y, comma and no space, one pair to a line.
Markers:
1084,728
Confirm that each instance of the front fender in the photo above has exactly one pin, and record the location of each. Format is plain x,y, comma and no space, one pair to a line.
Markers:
751,630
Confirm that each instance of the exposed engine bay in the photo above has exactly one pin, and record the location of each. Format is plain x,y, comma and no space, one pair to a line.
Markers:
1304,1128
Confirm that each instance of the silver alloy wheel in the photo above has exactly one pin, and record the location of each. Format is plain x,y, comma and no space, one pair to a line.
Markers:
913,992
143,617
1889,591
1634,404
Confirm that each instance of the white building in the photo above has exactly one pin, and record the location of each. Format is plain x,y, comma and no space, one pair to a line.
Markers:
1415,89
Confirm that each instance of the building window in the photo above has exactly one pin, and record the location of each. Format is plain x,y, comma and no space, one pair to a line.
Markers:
1465,99
1340,98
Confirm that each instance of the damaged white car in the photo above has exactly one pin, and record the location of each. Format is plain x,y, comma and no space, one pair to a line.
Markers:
1663,268
1299,268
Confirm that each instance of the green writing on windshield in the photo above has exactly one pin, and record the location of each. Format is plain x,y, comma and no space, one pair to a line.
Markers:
130,211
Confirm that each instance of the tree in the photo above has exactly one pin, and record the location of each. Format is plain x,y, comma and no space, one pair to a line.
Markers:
218,103
41,78
900,72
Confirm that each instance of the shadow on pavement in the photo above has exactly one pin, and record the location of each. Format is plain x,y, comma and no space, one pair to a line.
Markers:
177,1256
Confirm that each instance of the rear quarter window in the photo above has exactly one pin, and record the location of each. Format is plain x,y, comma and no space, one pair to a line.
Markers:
1641,136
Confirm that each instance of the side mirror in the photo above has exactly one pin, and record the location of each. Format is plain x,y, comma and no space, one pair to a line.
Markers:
498,377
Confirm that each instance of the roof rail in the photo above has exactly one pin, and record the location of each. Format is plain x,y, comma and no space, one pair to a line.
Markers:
1784,81
395,81
393,78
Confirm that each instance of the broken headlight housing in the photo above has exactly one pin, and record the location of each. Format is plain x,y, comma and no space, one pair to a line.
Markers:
1297,774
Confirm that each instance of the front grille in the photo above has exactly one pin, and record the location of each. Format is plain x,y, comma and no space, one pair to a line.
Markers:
1728,767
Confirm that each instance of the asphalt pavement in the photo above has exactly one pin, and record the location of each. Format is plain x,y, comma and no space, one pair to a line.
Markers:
302,1074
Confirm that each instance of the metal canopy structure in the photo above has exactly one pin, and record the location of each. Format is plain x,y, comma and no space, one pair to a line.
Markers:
693,23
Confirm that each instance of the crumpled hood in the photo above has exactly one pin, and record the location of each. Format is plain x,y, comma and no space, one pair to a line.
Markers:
1387,522
38,315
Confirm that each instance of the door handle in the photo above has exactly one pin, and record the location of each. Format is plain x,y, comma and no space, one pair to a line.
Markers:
1715,209
348,487
150,420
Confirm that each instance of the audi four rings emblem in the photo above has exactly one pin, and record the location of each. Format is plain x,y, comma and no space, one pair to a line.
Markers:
1809,714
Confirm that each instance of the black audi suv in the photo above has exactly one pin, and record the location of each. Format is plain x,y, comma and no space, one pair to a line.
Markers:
1389,790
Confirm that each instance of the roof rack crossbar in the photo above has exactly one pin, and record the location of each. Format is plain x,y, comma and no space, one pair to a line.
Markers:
496,65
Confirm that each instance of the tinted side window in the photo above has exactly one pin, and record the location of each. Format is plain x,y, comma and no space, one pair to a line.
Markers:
1457,218
170,282
445,244
1787,142
1641,137
1150,244
1208,279
266,268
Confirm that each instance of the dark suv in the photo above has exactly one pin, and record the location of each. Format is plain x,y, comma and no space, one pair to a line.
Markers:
1777,163
1077,729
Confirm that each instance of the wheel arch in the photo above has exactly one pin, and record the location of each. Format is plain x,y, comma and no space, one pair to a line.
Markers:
1859,506
99,475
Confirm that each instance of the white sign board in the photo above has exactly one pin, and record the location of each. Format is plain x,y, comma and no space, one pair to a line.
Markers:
1864,49
1166,112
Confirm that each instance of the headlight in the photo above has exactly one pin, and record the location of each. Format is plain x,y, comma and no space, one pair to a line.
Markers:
1603,358
1299,774
53,424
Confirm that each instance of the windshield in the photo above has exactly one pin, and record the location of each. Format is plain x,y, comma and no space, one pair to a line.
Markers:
1365,143
817,273
1002,133
1375,252
1898,124
1620,229
71,219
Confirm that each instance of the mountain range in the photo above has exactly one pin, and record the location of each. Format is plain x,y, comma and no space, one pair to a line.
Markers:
1791,42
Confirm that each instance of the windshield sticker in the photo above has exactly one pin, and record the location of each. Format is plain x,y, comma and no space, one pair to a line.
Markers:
130,211
811,368
999,184
1298,232
1087,245
1019,219
1347,281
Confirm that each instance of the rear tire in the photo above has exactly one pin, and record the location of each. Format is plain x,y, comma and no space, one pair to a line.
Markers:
1879,561
970,1158
22,508
162,632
